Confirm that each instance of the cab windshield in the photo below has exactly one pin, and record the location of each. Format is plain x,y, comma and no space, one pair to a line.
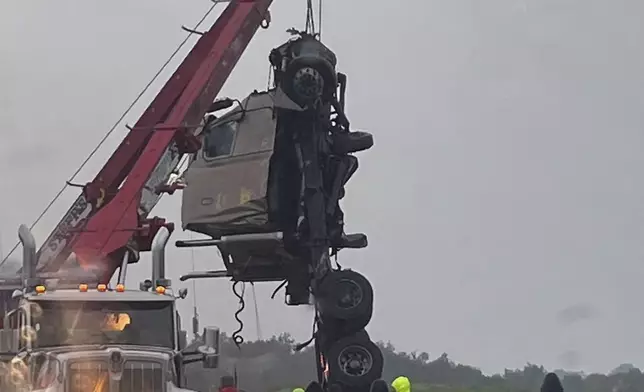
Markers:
64,323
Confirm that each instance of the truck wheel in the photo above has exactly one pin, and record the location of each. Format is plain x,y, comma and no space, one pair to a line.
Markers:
363,334
357,324
346,295
355,361
337,329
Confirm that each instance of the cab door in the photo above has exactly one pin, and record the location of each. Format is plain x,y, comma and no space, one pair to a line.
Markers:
226,183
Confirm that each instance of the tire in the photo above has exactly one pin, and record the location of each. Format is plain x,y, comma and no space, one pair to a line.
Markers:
346,295
355,361
363,334
337,329
358,324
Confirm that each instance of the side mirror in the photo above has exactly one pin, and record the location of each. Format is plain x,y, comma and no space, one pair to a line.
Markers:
220,104
182,294
210,349
146,285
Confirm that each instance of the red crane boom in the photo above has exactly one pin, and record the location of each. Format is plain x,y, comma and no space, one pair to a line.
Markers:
111,214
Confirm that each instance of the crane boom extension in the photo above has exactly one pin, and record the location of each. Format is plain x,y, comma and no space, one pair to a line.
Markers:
111,213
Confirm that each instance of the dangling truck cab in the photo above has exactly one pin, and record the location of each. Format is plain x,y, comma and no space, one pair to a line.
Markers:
73,336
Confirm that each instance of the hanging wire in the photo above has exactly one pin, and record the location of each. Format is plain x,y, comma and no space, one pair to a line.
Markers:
113,128
258,326
237,338
195,313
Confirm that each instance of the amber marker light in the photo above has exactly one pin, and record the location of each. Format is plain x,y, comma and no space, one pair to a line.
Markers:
83,288
40,289
160,290
101,287
120,288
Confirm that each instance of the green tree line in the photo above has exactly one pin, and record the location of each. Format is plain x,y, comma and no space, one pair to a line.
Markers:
271,366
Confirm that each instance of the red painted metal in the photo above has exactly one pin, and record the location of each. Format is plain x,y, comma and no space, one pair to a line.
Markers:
115,221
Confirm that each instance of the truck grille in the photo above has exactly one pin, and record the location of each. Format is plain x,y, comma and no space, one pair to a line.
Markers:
137,376
140,376
88,376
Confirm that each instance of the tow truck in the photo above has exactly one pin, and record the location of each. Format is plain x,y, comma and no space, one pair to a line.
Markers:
263,181
67,337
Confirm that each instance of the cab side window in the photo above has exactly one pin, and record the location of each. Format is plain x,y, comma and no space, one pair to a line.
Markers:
219,140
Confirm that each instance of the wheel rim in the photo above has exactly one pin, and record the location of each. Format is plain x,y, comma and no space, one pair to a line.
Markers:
355,361
350,294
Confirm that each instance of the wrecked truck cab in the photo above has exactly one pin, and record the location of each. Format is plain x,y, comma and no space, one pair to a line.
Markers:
243,189
234,193
227,181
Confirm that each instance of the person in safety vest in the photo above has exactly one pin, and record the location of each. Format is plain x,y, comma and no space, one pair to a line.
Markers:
401,384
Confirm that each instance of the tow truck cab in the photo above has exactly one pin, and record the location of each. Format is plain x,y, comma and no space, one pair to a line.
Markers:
82,337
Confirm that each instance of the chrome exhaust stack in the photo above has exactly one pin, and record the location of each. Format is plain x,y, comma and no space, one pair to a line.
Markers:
158,257
123,268
29,258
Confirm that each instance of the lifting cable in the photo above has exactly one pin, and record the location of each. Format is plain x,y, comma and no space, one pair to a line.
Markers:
107,135
320,20
310,19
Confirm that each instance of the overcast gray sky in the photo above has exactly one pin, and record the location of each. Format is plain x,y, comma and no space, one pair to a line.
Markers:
504,199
